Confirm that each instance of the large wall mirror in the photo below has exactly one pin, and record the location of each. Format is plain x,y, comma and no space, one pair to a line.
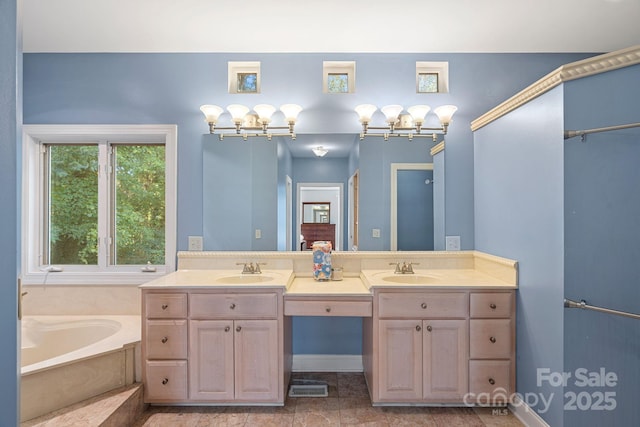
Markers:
257,195
316,212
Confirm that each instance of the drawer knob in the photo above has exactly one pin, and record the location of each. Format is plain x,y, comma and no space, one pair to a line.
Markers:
429,328
227,329
164,340
238,328
423,305
232,306
492,339
492,306
328,309
165,306
165,381
418,328
492,381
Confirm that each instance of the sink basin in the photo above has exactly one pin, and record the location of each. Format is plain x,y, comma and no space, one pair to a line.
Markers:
244,279
414,279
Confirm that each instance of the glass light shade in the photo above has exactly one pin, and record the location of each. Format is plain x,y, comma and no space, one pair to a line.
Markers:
418,112
391,112
290,111
320,151
211,112
445,113
265,111
237,112
365,111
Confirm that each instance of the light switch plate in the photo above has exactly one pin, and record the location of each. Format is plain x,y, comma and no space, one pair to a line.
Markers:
452,243
258,233
195,243
375,232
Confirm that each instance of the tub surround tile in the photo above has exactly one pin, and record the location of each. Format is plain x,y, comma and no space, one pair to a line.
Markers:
116,408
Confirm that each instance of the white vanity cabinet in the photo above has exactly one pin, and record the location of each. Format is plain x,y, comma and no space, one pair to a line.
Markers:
422,346
231,350
492,346
236,358
164,352
450,346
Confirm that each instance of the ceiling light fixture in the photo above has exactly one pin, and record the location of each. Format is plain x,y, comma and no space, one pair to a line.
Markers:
251,124
406,125
319,151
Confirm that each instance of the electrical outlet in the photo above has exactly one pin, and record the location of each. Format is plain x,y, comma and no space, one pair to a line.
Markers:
452,243
195,243
375,232
258,233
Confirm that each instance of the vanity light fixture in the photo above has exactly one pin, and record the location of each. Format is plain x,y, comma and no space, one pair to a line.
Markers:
406,125
248,124
319,151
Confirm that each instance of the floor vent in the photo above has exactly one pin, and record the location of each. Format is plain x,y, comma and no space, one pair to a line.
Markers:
308,389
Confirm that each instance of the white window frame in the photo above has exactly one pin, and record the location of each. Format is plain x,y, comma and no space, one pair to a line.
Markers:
33,136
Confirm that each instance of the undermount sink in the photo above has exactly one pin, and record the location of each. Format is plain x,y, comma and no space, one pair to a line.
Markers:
409,278
244,279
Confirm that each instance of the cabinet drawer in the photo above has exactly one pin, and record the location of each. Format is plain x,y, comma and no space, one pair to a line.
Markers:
165,306
166,380
489,381
491,304
328,308
166,339
423,305
234,306
490,339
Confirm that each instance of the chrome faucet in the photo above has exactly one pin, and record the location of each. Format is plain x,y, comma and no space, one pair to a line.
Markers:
405,268
250,268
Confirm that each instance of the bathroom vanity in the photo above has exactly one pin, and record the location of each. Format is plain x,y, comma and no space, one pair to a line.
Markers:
444,334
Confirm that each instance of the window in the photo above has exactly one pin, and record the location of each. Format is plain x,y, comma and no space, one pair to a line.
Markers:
98,203
243,77
338,76
432,77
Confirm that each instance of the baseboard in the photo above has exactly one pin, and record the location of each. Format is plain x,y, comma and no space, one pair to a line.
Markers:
327,363
525,414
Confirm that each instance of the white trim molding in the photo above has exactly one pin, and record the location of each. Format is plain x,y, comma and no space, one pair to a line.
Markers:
575,70
524,413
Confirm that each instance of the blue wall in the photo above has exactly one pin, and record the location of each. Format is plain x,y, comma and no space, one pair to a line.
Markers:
10,119
519,215
569,212
169,88
602,231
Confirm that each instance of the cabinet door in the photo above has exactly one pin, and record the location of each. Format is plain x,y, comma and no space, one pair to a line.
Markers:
400,360
256,357
446,354
211,360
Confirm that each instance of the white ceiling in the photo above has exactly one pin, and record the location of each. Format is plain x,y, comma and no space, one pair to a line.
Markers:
329,25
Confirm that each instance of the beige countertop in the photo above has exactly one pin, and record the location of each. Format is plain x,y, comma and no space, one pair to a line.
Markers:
350,286
434,278
347,287
223,279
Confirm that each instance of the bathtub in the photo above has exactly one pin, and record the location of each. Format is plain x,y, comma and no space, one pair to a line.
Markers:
67,359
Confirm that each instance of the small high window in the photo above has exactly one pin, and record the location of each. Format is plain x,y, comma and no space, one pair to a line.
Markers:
244,77
432,77
338,76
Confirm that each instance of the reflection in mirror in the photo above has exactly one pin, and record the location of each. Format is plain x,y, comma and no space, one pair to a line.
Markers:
316,212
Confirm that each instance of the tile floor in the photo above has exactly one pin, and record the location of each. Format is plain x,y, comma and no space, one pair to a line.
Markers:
348,404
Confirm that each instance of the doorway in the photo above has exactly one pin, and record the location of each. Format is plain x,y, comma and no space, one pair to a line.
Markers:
314,192
411,225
